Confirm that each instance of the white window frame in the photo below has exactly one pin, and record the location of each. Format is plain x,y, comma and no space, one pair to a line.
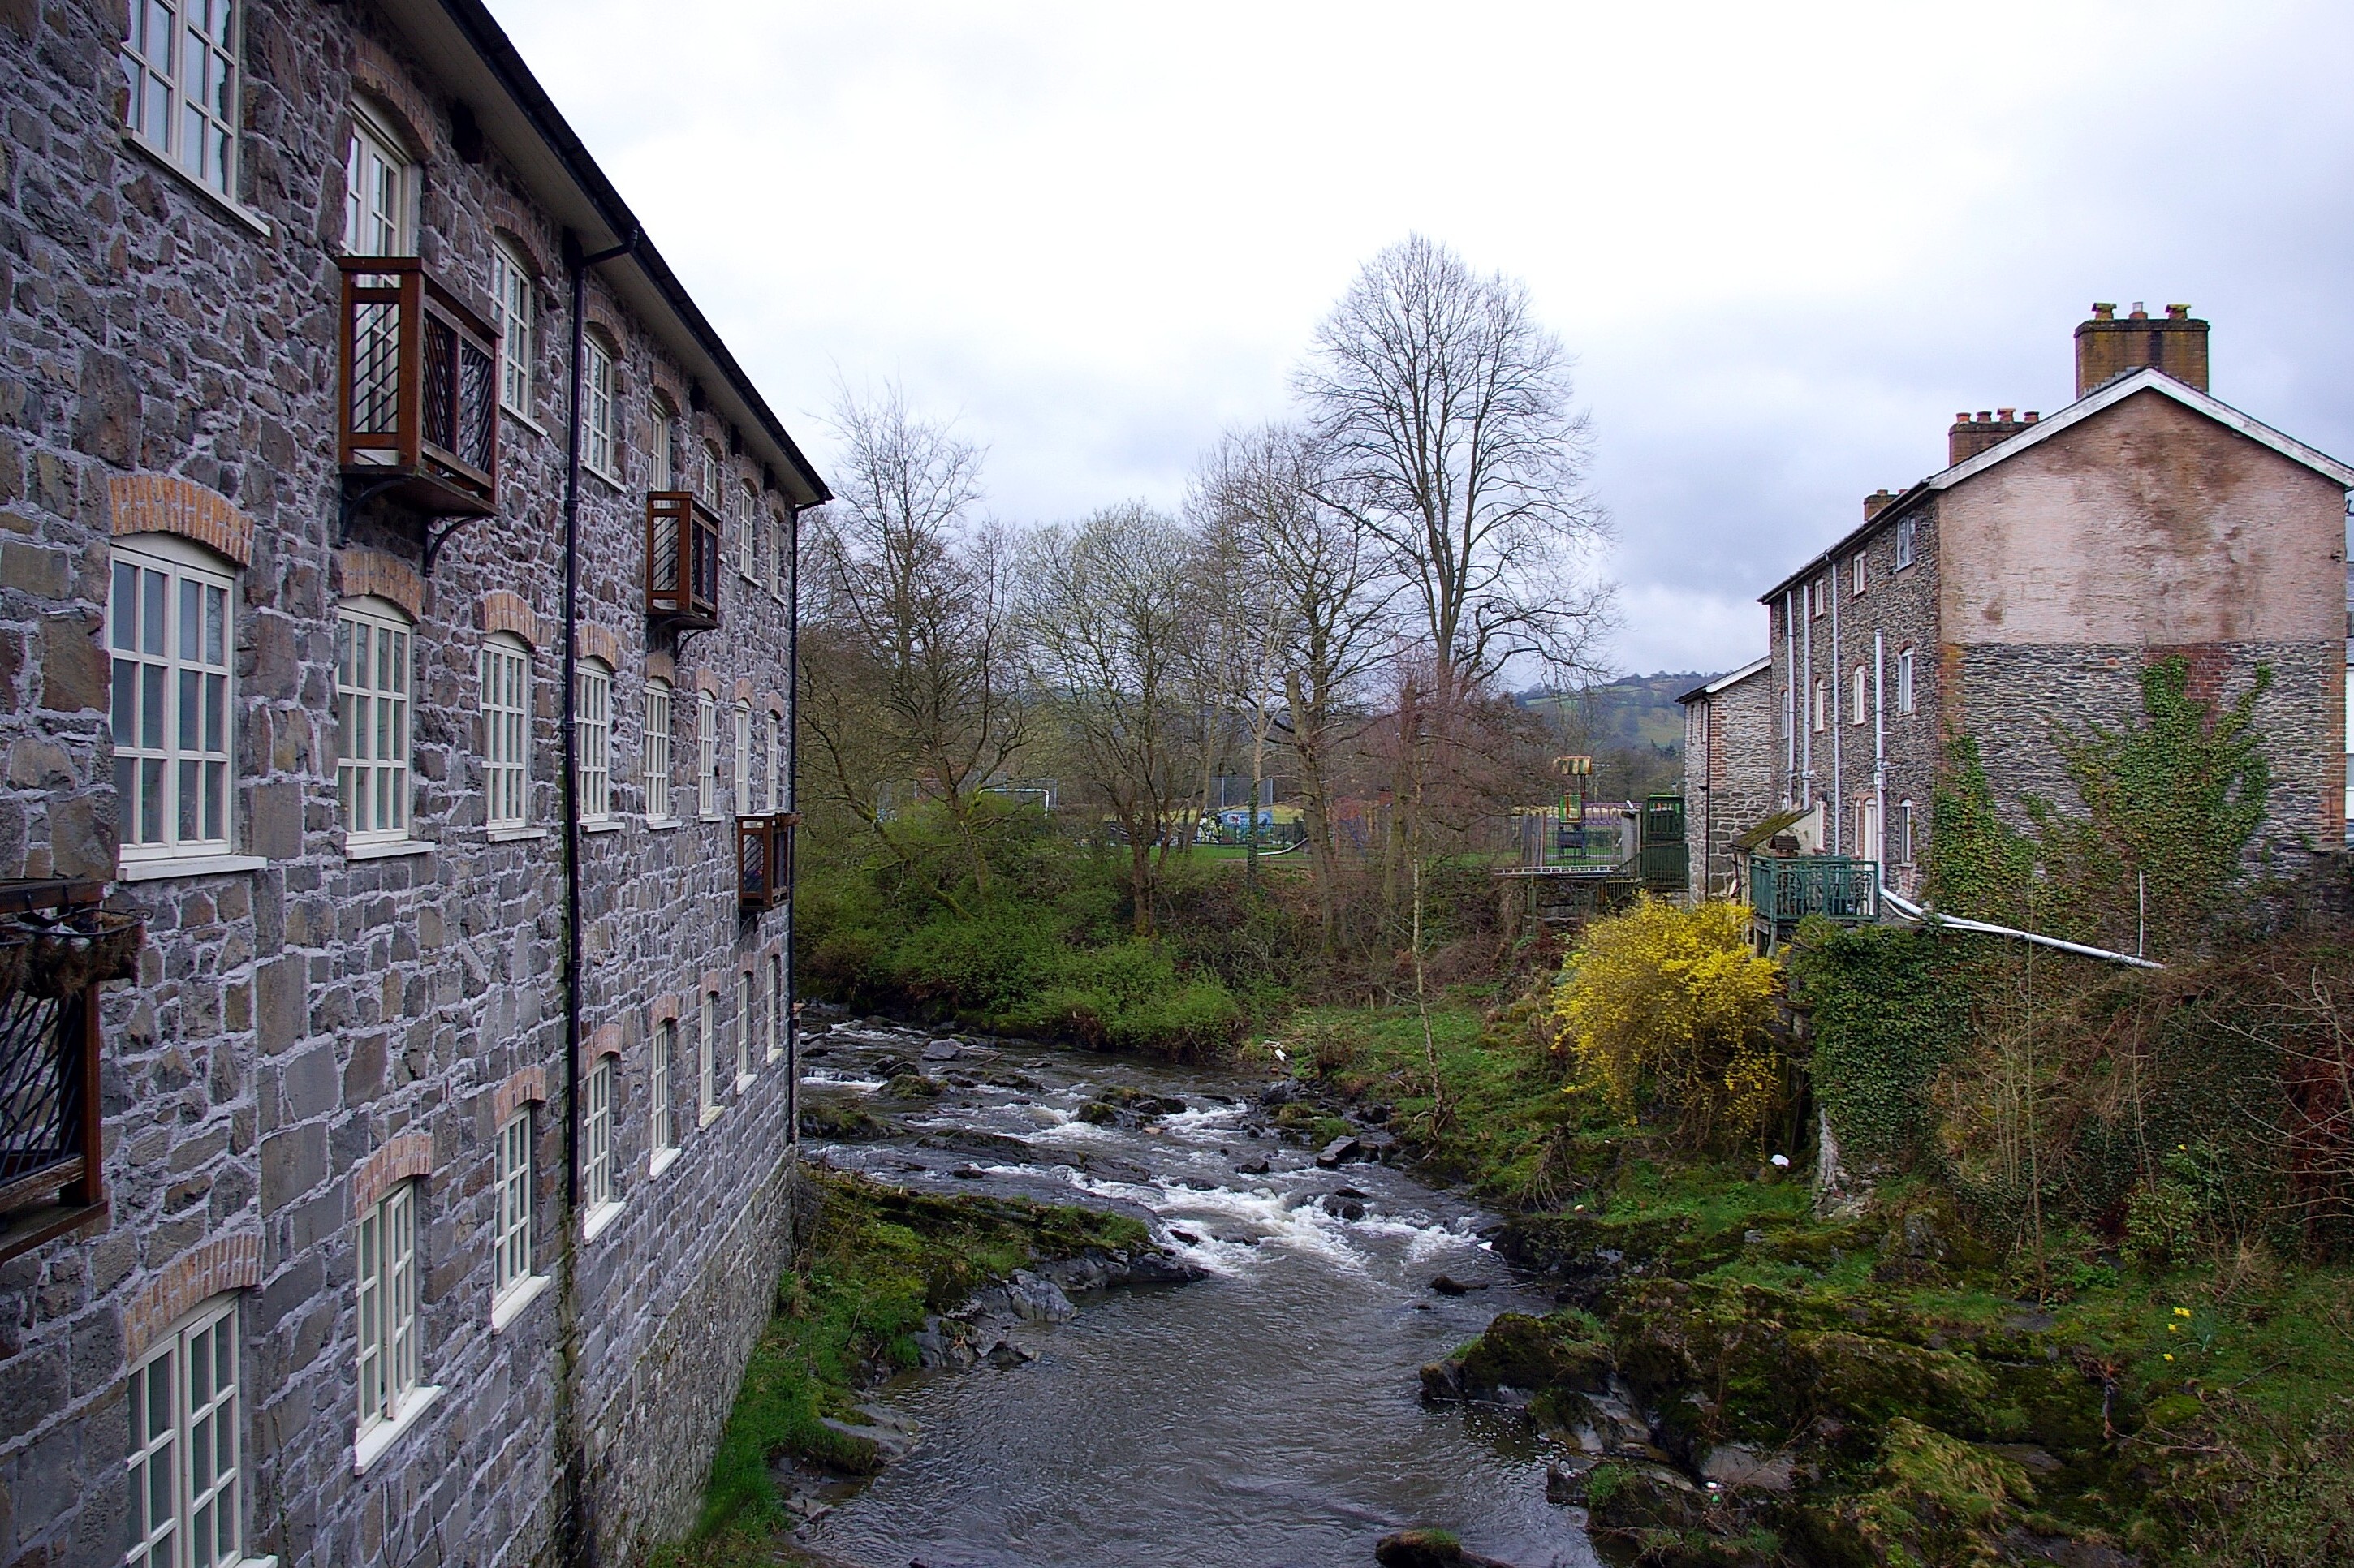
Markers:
513,298
663,1141
1856,570
179,66
780,569
743,1029
377,777
593,744
1907,543
1856,705
598,1184
653,753
775,1032
511,1218
602,400
742,799
1818,599
708,467
750,545
1905,832
706,1041
662,458
173,698
706,755
390,1394
1822,714
382,220
1905,693
776,761
506,697
185,1465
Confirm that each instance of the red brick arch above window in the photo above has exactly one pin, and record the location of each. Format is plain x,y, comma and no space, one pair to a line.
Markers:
203,1272
773,703
513,223
406,1158
381,78
166,503
606,323
705,681
362,572
604,1042
661,667
600,642
520,1089
511,612
665,1009
743,689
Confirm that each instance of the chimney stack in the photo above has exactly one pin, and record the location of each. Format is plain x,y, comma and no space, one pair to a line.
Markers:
1972,436
1877,502
2108,347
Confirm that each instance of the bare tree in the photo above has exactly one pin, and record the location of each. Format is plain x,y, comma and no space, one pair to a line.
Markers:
1443,412
914,683
1104,613
1322,610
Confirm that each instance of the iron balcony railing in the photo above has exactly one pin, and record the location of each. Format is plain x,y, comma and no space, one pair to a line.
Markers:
1784,891
681,559
55,947
420,386
764,861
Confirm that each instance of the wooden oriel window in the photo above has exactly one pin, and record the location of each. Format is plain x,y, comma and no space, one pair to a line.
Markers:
681,559
420,388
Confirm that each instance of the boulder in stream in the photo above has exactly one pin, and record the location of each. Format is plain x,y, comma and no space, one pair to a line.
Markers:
1429,1549
1339,1152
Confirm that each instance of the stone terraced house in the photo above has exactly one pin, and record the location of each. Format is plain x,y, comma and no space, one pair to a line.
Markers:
396,619
2029,583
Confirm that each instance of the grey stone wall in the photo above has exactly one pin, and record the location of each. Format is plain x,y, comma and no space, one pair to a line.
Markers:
290,1020
1729,776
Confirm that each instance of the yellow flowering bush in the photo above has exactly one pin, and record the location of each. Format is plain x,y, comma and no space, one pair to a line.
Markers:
1665,1009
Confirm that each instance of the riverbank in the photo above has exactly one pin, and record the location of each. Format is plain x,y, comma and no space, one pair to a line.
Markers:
1743,1382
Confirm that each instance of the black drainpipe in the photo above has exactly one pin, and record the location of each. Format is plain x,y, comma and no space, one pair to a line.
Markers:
579,1539
794,803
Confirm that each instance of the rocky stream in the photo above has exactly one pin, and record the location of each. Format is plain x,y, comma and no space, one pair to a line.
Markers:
1252,1396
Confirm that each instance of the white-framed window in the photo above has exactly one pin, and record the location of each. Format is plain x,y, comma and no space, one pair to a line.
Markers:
511,1206
1818,598
598,1184
604,413
1821,715
653,757
775,755
371,733
388,1307
1856,571
706,754
1856,698
1904,825
706,477
742,800
775,1032
1904,680
593,711
1789,712
657,1086
661,460
781,558
506,731
179,62
1904,543
706,1045
187,1446
172,698
379,191
751,549
179,73
743,1024
512,296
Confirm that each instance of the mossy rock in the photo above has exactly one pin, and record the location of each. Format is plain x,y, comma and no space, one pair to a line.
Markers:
910,1086
1586,1249
1939,1500
842,1123
1864,1378
1097,1113
1536,1354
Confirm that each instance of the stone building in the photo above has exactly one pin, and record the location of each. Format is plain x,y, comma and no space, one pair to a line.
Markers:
2028,584
395,616
1728,722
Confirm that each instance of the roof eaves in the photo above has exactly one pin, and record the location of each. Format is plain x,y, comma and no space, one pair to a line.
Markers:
1847,541
1731,678
490,44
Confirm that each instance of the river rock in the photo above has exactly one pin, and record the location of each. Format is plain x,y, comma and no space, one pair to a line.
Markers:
1280,1093
910,1086
1005,1355
1448,1286
943,1051
1342,1208
1339,1152
1729,1465
1429,1549
1039,1299
945,1343
1255,1168
883,1438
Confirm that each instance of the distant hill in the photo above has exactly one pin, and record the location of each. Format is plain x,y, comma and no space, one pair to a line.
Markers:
1630,712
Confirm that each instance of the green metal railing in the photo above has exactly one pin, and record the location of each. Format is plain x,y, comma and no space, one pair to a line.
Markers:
1784,892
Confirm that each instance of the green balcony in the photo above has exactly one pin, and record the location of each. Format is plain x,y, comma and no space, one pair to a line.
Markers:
1784,891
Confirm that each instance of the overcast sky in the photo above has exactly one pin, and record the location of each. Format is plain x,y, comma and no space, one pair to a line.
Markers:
1787,243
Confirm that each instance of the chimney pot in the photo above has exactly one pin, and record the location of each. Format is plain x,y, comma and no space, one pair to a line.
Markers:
2030,417
2178,312
2005,414
1984,415
2103,313
2138,313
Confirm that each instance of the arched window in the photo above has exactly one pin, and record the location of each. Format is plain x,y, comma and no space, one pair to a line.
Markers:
1904,680
388,1293
380,190
742,799
781,558
187,1438
506,731
743,1025
776,798
751,548
593,730
169,638
706,754
1856,700
371,733
775,1032
603,421
658,1093
706,478
662,459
